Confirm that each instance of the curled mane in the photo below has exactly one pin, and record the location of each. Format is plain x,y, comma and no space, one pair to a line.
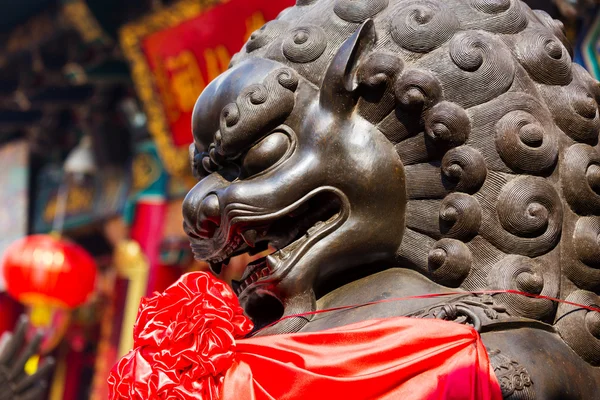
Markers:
498,133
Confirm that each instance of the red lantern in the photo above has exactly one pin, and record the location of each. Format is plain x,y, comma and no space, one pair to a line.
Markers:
45,270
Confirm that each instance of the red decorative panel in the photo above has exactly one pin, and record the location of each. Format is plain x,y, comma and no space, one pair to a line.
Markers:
176,52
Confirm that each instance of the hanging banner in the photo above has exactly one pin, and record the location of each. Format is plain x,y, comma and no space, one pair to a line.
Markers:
177,51
14,179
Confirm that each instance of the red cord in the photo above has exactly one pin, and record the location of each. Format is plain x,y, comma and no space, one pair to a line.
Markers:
433,295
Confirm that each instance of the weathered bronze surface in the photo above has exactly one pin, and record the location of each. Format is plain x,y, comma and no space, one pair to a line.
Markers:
15,383
389,148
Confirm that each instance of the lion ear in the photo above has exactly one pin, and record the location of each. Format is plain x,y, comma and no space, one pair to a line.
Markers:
337,91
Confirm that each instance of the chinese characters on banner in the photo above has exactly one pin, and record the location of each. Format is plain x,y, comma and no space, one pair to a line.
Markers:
176,52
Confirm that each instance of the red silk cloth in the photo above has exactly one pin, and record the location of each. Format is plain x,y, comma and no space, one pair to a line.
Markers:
189,345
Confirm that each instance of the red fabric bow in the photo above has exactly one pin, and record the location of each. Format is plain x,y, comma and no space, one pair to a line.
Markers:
188,345
184,342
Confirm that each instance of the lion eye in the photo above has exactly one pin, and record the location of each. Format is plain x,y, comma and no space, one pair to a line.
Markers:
265,154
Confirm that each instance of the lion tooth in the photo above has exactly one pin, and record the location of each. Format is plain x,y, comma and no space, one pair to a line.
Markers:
272,261
249,237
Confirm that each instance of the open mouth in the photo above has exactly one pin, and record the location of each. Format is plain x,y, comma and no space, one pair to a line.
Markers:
288,234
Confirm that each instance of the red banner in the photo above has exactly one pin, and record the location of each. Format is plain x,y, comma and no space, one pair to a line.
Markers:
177,52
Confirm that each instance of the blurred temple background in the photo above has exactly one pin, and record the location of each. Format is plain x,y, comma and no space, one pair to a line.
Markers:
95,107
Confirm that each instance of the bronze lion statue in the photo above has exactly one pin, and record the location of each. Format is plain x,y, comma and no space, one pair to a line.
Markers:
392,148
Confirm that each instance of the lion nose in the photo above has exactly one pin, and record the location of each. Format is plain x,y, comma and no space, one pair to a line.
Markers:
210,209
206,218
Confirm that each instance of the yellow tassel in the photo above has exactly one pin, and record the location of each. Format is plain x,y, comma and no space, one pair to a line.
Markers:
41,315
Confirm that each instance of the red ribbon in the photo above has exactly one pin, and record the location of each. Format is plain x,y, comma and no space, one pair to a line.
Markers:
189,344
430,296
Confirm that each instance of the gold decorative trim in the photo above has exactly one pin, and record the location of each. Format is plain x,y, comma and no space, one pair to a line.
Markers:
176,160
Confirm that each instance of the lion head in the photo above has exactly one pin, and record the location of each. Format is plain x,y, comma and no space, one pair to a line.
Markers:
452,137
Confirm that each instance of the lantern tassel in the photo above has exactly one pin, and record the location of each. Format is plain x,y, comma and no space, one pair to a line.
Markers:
41,315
